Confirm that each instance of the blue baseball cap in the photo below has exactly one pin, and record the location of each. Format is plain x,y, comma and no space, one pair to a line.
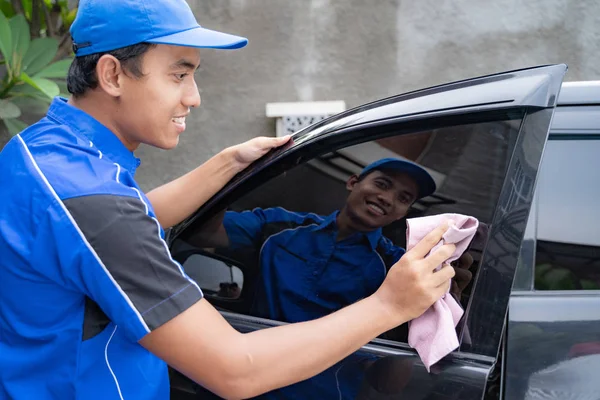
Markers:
105,25
424,181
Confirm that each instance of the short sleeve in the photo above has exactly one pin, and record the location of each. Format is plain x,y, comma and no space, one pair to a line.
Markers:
244,229
111,249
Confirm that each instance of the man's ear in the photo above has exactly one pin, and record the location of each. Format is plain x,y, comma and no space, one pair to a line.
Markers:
351,182
110,75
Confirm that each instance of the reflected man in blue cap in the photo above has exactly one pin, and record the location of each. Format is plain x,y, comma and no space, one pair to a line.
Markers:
312,265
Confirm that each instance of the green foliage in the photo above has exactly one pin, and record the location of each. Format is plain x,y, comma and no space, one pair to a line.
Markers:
31,71
557,277
6,9
51,18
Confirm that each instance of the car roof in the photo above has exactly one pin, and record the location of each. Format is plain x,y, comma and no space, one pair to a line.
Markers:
582,92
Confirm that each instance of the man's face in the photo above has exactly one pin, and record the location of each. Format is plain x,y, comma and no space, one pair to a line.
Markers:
380,198
152,109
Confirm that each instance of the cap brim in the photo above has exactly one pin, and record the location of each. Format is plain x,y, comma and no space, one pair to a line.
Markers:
202,38
423,179
425,182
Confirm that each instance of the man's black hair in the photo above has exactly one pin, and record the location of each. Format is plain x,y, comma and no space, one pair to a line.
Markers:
82,72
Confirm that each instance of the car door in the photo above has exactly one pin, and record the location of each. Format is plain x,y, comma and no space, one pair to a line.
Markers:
481,140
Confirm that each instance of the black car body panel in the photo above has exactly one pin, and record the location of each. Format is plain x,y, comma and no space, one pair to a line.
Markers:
552,347
529,96
398,373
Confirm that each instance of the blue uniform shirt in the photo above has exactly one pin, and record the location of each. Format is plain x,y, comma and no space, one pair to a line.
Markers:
306,273
84,270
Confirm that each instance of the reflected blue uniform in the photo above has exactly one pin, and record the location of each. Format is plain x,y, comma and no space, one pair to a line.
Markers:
305,273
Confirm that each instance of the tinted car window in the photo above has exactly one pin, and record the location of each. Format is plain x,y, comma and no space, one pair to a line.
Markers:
467,162
568,243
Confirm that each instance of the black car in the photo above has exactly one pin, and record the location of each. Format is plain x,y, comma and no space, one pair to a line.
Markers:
532,310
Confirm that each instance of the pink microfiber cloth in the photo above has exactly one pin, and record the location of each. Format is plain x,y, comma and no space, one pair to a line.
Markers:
433,334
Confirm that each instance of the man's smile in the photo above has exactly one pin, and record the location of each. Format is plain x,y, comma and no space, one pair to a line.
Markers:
179,123
376,208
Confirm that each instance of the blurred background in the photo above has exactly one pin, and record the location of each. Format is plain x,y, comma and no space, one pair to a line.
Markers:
357,51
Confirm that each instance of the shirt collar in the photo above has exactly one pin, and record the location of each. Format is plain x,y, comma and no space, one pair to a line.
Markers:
99,135
372,236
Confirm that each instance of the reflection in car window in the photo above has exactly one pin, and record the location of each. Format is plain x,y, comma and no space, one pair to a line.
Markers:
561,266
568,245
216,277
324,234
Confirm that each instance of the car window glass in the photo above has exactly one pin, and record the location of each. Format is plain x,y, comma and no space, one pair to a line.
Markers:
568,243
215,276
283,235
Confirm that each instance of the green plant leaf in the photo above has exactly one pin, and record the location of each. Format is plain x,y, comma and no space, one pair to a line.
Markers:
8,109
69,18
64,91
5,39
6,8
22,89
560,279
40,54
46,86
27,6
14,125
58,69
587,284
32,105
20,42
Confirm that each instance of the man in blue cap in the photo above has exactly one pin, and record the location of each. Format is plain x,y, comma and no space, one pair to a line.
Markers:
92,306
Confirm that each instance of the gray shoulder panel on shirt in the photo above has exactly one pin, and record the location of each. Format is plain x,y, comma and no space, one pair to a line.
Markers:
128,243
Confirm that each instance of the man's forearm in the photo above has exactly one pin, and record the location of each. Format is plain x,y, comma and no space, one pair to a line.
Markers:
202,345
175,201
280,356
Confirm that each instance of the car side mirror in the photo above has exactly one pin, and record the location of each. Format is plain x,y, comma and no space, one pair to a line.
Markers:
217,277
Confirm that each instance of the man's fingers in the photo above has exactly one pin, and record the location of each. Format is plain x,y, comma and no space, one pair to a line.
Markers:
264,143
463,275
439,291
443,275
268,143
454,289
443,288
429,241
283,139
440,255
465,261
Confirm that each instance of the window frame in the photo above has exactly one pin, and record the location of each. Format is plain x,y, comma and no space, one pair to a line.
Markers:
351,137
580,130
347,129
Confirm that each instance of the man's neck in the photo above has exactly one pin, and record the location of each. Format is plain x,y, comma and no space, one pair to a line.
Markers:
345,226
101,112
